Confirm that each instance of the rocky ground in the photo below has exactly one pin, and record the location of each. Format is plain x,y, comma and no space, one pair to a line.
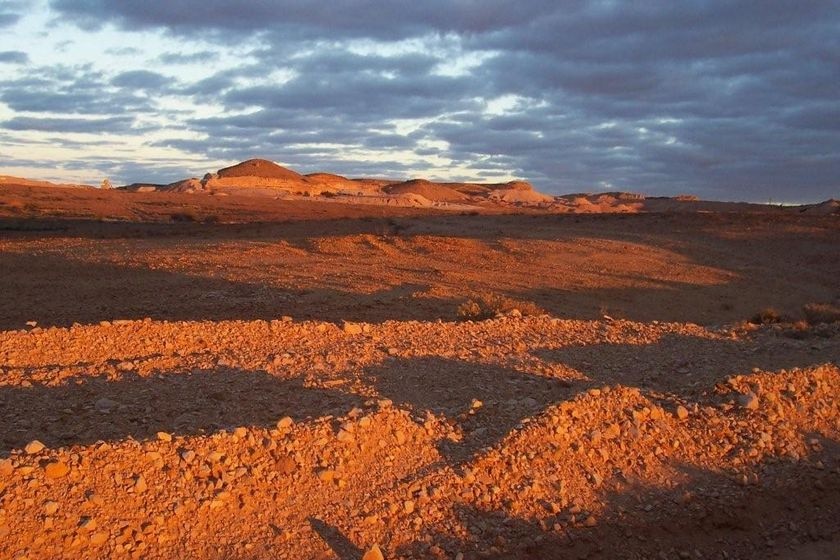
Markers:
188,426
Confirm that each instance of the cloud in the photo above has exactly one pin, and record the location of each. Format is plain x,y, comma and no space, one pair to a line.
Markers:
55,124
13,57
140,79
728,99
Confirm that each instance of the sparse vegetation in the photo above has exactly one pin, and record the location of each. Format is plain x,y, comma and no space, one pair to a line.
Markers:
821,313
183,217
767,316
488,306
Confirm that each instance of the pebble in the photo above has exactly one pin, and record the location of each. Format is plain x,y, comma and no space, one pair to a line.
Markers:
105,405
352,328
373,553
34,446
682,412
748,401
50,507
56,469
285,423
164,436
99,538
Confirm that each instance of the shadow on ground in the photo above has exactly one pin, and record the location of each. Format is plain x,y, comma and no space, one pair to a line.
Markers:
94,409
791,513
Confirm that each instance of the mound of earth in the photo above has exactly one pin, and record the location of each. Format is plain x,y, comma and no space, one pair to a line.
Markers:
827,207
427,189
260,168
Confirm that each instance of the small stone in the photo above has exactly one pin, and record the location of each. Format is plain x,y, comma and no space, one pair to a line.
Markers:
34,446
352,328
344,436
612,431
326,475
6,467
140,485
99,538
408,505
87,524
50,507
590,521
240,432
56,469
286,465
125,366
476,404
285,423
32,323
104,405
682,412
164,436
373,553
748,400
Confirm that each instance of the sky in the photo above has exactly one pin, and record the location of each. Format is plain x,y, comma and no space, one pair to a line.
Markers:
728,100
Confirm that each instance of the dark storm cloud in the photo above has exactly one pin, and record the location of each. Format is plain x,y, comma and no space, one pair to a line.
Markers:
14,57
63,89
359,18
140,79
730,99
46,124
188,58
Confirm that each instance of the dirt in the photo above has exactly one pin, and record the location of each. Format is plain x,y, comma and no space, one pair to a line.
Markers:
301,388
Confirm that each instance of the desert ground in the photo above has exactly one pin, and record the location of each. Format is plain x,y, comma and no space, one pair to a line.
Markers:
226,377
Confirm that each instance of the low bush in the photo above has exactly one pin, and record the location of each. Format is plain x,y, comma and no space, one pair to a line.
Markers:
488,306
821,313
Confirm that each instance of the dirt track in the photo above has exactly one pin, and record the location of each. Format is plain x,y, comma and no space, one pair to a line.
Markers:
565,435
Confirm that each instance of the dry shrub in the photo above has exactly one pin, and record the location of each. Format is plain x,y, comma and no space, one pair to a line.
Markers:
766,316
488,306
182,217
821,313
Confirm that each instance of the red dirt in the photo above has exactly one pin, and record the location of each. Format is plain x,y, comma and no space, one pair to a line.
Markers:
143,408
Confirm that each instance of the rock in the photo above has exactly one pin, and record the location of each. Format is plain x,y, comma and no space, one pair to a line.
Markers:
125,366
373,553
344,436
34,447
352,328
612,431
682,412
240,432
286,465
140,485
164,436
56,469
99,538
6,467
50,507
326,475
105,405
748,400
476,404
408,505
285,423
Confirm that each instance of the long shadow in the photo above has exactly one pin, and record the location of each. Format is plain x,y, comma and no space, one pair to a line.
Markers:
341,546
684,364
56,290
202,401
483,403
791,514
